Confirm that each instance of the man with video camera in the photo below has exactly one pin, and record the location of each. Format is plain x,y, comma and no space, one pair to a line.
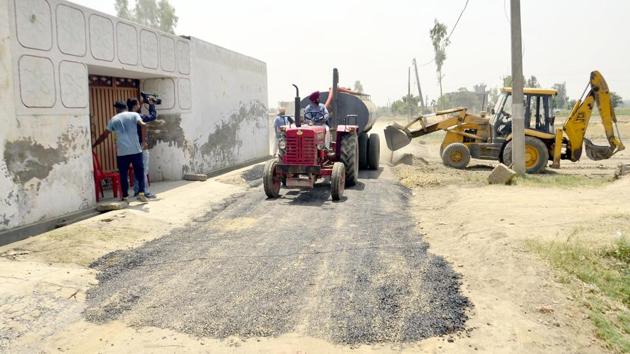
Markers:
137,105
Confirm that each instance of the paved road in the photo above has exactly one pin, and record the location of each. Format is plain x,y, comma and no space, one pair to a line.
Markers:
350,272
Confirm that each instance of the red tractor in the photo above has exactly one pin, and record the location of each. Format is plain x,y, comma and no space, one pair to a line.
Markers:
304,159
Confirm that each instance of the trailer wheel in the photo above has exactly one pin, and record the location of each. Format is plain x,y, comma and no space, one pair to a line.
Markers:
374,151
337,180
271,181
349,156
363,151
456,155
536,155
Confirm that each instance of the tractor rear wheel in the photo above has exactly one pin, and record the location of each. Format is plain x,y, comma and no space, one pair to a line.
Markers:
456,155
363,151
536,155
349,155
271,181
337,180
374,151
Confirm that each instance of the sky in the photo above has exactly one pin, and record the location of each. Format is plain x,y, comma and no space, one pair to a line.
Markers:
375,41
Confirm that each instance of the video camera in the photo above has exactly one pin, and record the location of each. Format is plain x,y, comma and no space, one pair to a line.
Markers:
151,97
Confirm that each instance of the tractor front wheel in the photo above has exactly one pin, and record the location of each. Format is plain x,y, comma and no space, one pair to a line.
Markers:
271,180
349,155
337,180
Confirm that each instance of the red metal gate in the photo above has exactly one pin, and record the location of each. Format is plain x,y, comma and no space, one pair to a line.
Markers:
104,91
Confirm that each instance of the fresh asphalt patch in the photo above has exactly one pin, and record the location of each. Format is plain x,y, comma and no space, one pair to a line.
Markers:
351,272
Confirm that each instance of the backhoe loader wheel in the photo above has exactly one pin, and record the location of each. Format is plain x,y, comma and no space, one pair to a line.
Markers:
271,181
374,151
349,155
456,155
337,180
363,151
536,155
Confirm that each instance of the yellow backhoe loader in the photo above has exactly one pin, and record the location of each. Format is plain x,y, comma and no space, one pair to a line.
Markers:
469,135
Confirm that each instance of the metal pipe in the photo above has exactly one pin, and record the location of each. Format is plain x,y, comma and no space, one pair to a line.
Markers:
296,103
335,89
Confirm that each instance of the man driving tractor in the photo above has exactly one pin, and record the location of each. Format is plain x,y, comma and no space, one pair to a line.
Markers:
317,114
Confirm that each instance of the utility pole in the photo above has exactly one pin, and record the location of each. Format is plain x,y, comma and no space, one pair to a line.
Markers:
415,66
409,93
518,121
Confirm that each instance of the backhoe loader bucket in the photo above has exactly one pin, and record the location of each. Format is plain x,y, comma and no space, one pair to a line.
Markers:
597,152
397,136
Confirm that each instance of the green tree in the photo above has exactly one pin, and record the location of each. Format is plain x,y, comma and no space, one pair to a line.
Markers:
168,19
561,100
440,41
122,9
358,87
532,82
149,13
146,13
406,103
463,98
616,99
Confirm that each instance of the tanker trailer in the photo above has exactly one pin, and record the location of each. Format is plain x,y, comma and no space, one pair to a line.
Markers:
356,109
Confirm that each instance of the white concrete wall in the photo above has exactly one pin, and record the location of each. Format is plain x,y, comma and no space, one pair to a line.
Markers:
228,124
213,105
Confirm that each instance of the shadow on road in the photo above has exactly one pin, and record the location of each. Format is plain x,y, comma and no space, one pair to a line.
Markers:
370,174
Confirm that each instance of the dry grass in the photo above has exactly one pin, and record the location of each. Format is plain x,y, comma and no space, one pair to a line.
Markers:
559,180
594,261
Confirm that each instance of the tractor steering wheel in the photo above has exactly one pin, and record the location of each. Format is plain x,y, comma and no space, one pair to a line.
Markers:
313,116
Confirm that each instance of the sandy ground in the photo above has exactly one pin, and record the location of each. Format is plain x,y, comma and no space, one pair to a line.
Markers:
479,229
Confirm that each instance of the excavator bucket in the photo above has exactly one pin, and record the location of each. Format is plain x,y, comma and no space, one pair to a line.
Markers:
397,136
597,152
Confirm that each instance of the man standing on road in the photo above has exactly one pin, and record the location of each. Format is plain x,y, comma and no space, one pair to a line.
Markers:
124,125
135,105
280,121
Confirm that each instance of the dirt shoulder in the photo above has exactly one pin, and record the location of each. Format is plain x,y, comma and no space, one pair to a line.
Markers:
520,306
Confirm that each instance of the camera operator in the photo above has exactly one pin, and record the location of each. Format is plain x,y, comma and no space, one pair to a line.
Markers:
137,105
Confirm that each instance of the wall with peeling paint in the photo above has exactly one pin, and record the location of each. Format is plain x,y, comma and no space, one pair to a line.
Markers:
213,112
228,124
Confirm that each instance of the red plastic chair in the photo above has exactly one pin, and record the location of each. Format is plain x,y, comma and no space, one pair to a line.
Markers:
100,176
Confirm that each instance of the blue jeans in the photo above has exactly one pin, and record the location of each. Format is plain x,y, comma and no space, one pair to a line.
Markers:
145,164
123,167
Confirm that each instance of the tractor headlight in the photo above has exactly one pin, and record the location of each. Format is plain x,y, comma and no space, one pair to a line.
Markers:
282,144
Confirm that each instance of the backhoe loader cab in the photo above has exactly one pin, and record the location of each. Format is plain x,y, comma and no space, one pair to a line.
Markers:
538,111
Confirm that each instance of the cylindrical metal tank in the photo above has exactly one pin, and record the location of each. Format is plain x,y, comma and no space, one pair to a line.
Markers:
349,104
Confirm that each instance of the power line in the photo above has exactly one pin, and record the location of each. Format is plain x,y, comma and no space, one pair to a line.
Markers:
456,22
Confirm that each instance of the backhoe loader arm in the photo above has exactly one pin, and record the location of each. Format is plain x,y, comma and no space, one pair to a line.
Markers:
576,125
398,136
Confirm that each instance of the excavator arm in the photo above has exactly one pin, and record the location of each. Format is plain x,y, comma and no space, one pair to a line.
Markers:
576,125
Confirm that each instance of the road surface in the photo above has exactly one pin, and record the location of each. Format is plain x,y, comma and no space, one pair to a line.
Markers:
350,272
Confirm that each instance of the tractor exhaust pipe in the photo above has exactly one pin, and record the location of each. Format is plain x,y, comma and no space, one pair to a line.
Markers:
297,102
335,91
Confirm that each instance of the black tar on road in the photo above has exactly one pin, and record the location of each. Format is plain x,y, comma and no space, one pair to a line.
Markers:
350,272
